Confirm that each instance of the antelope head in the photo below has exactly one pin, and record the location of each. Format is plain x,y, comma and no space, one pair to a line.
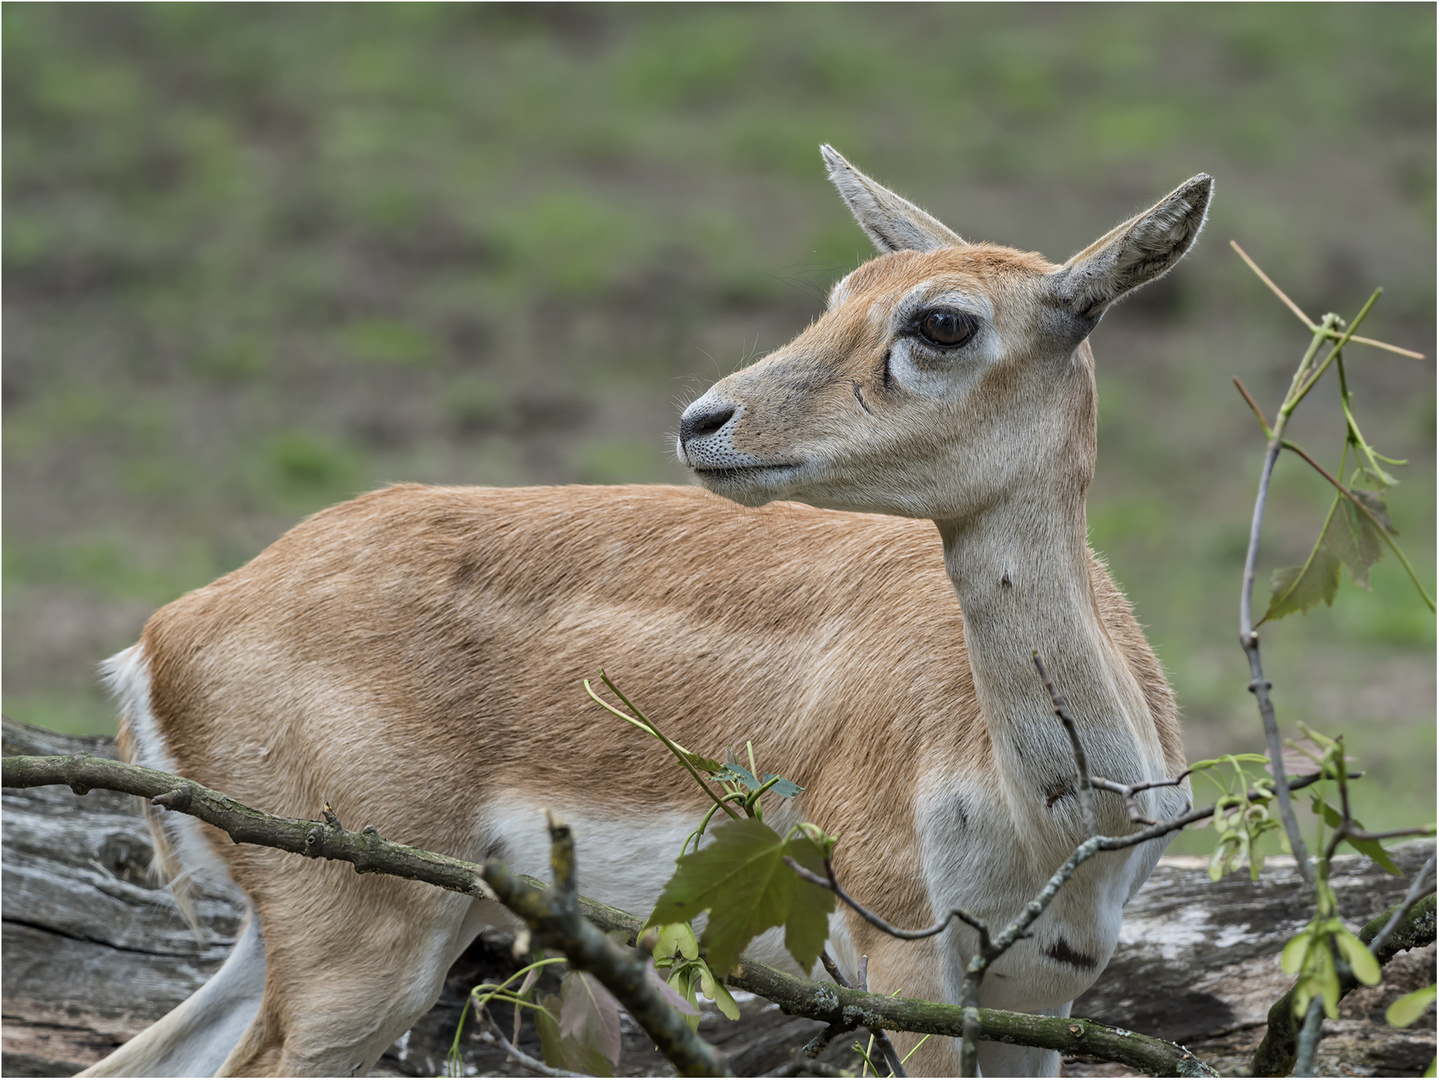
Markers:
943,376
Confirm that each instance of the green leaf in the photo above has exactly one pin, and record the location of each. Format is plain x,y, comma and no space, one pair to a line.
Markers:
548,1028
1327,976
726,1002
1332,817
1356,541
1292,958
1229,759
564,1051
704,764
1409,1008
590,1015
1300,588
715,990
1375,850
676,938
785,789
807,924
1372,848
736,773
1350,538
1376,507
1361,960
678,980
742,880
670,994
1219,858
691,982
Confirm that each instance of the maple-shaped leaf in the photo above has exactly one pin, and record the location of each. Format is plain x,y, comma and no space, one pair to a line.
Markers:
1352,537
1299,588
807,926
1376,507
742,880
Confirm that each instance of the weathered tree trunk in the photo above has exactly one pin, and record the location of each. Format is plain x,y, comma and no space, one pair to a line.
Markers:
93,952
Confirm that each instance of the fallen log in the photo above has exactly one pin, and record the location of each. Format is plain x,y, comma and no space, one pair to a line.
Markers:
94,951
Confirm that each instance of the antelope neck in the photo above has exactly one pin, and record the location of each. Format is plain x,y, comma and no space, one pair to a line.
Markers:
1021,572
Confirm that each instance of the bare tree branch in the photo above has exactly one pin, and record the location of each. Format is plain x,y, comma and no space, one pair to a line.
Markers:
554,916
834,1005
886,1047
1081,763
1104,843
1309,1034
1423,882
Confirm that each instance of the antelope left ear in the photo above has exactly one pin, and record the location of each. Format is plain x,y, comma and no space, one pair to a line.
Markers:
1134,253
893,223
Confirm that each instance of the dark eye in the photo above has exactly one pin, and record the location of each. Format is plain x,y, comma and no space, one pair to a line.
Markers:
947,328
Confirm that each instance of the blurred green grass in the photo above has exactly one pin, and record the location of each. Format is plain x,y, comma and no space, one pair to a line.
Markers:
260,258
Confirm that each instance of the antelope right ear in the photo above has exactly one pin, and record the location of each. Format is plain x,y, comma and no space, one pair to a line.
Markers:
893,223
1134,253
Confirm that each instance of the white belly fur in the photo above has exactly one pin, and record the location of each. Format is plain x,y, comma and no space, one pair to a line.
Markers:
624,861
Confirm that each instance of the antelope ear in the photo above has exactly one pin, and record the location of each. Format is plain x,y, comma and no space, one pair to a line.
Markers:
894,224
1132,254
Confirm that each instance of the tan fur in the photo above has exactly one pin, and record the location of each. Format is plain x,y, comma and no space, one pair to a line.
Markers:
414,656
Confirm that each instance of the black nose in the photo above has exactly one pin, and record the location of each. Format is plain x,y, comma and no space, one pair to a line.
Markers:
703,423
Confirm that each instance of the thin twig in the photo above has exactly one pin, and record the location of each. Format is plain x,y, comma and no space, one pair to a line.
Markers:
1081,763
831,883
533,1064
1392,834
1105,843
1307,321
1309,1037
1258,412
645,724
800,1065
833,969
1275,289
820,1043
1346,820
1128,791
1259,686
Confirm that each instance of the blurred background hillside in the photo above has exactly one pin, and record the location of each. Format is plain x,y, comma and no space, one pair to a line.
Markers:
258,259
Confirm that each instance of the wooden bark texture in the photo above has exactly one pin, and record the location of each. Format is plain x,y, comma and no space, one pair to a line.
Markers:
93,952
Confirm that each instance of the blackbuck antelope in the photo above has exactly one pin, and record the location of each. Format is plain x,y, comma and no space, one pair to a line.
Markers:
414,657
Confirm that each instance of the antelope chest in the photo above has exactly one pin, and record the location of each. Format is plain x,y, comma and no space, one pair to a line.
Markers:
982,853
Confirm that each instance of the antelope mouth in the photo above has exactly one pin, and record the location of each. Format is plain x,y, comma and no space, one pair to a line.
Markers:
734,472
749,485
